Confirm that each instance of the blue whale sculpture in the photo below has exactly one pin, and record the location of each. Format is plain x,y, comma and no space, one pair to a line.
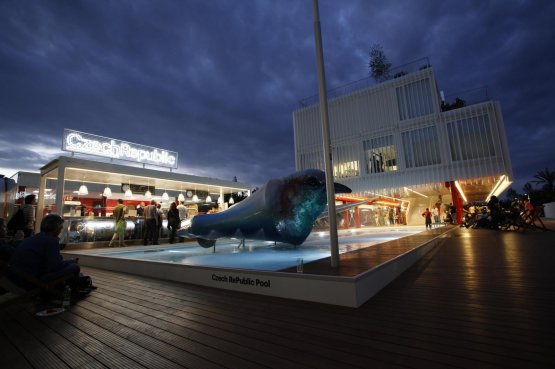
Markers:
283,210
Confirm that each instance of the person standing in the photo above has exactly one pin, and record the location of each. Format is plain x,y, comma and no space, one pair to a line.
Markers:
120,224
435,213
427,214
151,224
182,210
174,221
160,217
29,215
141,209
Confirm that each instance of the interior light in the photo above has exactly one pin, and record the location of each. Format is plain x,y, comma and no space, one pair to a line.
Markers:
180,197
128,192
208,198
148,194
83,190
231,201
166,197
500,186
195,197
107,192
416,192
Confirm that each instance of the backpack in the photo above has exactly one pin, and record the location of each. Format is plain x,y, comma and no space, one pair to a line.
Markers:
17,221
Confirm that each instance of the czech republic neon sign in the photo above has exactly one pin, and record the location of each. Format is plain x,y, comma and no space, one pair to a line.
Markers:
86,143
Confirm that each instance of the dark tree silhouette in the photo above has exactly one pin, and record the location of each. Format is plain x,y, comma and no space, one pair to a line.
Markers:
546,178
378,64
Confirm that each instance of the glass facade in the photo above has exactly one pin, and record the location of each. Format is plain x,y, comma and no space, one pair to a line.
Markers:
421,147
345,162
471,138
380,154
415,99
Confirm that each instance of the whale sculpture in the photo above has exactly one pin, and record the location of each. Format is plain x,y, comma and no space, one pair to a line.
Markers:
283,210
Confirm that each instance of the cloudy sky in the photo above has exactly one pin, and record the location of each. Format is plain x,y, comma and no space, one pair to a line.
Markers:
217,80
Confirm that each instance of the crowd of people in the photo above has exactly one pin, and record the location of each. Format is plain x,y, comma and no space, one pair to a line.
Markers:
493,215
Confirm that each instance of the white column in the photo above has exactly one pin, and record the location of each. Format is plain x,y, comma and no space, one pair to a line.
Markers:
60,189
326,138
40,203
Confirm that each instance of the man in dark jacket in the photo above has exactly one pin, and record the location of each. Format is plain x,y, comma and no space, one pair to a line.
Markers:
40,256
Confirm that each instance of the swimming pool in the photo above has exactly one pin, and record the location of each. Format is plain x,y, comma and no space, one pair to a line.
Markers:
258,255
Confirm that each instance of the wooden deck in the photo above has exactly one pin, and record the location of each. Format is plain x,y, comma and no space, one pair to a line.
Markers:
482,299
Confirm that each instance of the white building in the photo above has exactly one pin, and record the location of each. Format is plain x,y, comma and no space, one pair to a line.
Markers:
398,140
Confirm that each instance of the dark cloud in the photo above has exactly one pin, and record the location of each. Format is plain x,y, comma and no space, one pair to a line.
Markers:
217,81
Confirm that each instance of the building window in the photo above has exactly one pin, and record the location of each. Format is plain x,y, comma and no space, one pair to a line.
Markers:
345,163
346,169
421,147
415,99
380,155
471,138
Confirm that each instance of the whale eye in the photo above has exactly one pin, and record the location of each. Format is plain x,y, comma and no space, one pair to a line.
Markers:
312,181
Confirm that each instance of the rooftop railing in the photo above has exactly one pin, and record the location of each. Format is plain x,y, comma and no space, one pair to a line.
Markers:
394,72
465,98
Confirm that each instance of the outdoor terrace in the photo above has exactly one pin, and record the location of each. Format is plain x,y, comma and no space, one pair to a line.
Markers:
480,299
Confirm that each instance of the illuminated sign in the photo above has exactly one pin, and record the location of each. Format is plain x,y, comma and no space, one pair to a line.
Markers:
87,143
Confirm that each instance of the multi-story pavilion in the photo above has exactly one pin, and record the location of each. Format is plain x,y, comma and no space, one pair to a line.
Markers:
401,142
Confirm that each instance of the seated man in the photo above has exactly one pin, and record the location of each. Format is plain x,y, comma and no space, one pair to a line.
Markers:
40,256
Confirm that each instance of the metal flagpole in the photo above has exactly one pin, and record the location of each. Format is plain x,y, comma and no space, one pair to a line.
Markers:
326,135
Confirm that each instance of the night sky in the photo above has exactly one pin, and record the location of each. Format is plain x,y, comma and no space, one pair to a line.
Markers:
217,81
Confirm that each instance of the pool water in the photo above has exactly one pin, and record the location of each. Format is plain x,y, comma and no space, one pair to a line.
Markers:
261,255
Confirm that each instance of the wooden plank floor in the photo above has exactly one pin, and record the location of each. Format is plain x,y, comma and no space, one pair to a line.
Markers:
358,261
481,299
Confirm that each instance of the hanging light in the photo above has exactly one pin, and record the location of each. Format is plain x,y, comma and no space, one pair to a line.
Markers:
195,197
128,192
181,197
83,190
231,201
107,192
148,194
208,198
220,200
165,196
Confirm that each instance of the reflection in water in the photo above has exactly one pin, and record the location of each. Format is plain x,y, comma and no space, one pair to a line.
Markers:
262,255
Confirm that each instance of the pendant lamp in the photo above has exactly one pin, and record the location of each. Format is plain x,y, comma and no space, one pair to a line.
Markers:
128,192
83,190
208,198
107,192
231,201
181,197
165,196
195,197
148,194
